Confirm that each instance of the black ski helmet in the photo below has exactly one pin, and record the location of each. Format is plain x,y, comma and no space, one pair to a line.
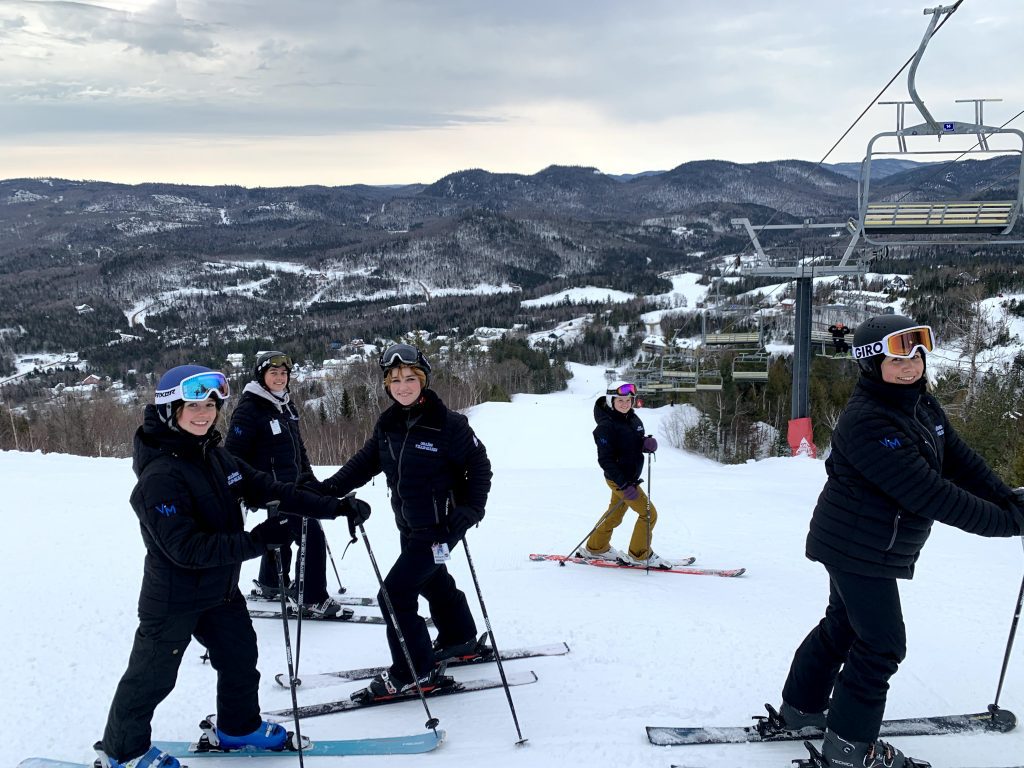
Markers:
401,354
875,329
271,359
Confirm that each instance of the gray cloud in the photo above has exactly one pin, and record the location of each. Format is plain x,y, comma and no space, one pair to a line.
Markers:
315,67
157,28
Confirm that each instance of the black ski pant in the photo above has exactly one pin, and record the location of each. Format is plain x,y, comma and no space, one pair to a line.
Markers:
851,655
314,588
415,573
160,642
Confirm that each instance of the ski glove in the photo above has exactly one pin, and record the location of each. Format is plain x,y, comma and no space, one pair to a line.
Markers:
272,533
356,510
650,444
462,518
630,492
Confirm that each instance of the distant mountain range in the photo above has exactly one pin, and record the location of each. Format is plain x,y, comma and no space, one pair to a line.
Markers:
253,260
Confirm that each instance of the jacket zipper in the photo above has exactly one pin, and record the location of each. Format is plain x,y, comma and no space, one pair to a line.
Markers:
895,530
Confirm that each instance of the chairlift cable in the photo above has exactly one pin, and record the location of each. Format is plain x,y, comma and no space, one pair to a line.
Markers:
866,109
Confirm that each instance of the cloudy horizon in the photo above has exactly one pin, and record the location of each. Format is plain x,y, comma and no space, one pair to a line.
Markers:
261,93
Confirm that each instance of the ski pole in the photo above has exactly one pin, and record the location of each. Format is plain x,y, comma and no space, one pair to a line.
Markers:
604,517
1009,644
647,569
432,722
273,511
300,596
341,589
494,644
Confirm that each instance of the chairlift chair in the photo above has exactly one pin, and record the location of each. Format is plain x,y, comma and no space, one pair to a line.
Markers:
751,367
953,221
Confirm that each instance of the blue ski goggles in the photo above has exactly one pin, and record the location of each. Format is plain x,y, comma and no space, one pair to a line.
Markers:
403,354
196,388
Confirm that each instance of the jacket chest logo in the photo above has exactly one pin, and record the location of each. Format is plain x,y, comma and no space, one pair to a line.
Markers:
426,445
234,477
166,510
890,442
940,430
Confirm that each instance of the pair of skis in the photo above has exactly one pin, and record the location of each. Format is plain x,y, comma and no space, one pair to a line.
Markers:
459,686
347,616
678,566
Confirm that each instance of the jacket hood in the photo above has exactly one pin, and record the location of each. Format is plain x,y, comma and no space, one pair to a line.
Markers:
154,439
256,389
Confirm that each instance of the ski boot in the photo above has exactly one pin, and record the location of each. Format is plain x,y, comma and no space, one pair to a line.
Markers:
385,686
837,752
261,591
328,609
653,561
466,651
151,758
269,736
611,554
785,720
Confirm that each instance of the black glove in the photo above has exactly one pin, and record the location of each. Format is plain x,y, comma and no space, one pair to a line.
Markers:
462,518
272,533
356,510
307,481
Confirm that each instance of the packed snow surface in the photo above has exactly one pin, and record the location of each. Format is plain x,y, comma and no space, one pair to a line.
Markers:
656,649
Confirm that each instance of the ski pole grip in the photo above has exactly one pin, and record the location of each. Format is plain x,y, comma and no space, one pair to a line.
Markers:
351,525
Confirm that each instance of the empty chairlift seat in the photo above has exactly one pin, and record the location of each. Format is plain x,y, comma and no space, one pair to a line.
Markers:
991,217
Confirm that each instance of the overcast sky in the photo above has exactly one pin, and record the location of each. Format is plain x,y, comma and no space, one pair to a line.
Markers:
277,92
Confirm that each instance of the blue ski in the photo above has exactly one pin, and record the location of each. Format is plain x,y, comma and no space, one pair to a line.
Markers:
389,745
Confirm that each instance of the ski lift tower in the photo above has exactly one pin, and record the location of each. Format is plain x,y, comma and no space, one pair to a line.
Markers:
802,269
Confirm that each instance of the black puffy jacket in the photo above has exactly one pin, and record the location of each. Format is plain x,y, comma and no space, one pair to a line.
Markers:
432,460
188,499
264,433
896,467
620,440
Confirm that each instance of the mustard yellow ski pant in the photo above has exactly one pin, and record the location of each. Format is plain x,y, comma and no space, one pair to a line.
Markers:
639,543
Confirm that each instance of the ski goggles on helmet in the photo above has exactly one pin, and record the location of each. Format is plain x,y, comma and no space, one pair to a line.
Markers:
903,343
403,354
623,390
280,360
196,388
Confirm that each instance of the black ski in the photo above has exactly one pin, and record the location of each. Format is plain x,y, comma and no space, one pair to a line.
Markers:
999,720
348,675
344,618
257,594
347,705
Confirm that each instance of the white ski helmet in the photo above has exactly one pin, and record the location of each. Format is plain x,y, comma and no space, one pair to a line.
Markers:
620,389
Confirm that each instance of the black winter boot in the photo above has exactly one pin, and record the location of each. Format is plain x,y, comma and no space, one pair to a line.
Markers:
840,753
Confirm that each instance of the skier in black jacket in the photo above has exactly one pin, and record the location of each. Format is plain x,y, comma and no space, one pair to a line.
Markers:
621,445
264,433
189,500
439,476
896,467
